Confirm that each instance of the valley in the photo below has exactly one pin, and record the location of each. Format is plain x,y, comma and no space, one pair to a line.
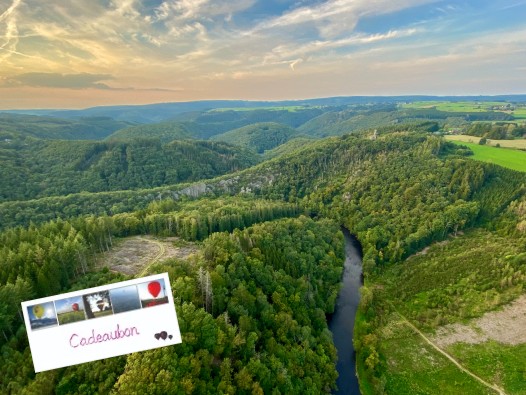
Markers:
243,204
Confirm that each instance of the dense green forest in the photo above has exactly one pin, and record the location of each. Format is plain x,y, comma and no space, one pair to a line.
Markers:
163,131
85,128
258,137
443,239
496,131
36,168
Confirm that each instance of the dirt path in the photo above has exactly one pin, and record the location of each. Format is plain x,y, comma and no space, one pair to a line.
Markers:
162,252
505,326
448,356
135,255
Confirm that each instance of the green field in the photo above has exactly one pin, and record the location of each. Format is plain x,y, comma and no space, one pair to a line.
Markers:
520,113
505,157
71,316
461,106
517,144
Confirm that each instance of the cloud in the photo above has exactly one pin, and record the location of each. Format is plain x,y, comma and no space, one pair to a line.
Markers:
335,17
57,80
200,9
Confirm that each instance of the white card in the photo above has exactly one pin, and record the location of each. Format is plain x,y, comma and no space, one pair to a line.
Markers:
101,322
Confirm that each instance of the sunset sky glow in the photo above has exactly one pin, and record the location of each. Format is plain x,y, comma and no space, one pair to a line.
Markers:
76,54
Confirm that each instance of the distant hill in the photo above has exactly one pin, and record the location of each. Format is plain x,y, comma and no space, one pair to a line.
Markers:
206,124
164,131
258,137
34,168
290,146
159,112
45,127
337,123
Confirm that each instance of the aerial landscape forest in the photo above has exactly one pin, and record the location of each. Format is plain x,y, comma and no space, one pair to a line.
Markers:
263,197
442,233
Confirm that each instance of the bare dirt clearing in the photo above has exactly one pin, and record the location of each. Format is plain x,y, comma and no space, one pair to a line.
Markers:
134,255
505,326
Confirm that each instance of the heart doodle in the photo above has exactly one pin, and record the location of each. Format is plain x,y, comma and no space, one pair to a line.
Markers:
164,335
157,336
170,337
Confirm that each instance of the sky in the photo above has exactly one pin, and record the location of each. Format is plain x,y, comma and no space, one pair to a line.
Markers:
83,53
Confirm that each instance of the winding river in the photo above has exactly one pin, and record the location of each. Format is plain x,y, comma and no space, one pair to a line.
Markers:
342,322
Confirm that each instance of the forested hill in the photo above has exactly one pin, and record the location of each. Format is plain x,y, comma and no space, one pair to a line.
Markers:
35,168
395,176
258,137
261,325
164,131
87,128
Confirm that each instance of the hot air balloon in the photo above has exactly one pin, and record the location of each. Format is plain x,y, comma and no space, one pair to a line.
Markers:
154,288
75,306
100,304
38,311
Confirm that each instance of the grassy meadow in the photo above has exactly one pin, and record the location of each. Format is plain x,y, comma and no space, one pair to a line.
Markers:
457,282
517,143
70,316
461,106
506,157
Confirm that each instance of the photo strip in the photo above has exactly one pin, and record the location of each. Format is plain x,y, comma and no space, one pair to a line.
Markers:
101,322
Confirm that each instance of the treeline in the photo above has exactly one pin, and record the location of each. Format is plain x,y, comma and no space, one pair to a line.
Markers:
497,130
50,257
456,280
252,317
38,168
13,126
258,137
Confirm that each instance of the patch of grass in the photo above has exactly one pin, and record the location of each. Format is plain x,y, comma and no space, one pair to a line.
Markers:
504,365
72,316
103,313
517,143
461,279
414,368
461,106
510,158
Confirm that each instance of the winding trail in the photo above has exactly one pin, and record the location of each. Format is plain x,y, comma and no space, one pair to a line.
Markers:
494,387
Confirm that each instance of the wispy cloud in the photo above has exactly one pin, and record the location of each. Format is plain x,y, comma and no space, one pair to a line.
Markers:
297,47
335,17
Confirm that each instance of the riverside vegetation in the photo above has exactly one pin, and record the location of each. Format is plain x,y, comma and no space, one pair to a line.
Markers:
443,238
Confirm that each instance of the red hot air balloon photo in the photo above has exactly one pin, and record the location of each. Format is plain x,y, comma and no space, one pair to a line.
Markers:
152,293
154,288
70,310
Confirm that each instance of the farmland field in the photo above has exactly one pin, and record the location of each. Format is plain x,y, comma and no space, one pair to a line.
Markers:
71,316
455,106
505,157
518,144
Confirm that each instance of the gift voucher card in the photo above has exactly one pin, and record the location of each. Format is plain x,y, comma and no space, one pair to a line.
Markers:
101,322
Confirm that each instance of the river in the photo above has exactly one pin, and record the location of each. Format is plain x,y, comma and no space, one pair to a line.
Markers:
342,321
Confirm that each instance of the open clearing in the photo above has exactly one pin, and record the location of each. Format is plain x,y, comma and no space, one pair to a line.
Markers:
519,143
505,326
133,255
505,157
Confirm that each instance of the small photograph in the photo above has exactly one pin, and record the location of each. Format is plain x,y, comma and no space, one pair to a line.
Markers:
125,299
152,293
42,315
70,310
97,304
